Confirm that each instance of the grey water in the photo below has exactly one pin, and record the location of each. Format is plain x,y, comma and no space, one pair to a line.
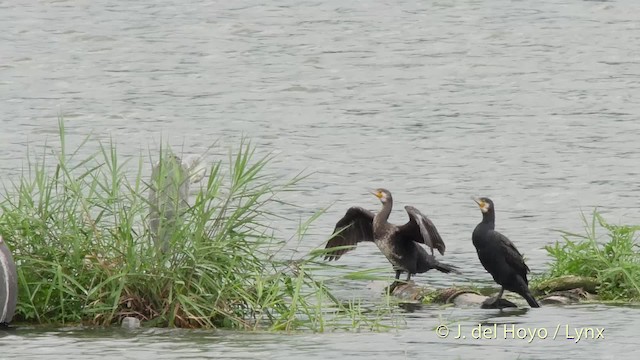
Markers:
530,103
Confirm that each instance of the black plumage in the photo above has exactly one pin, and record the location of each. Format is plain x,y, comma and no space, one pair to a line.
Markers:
500,257
398,243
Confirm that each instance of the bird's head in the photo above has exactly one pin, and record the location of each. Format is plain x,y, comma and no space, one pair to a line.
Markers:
484,203
383,194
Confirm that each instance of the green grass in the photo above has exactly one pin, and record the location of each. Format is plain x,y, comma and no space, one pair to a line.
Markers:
614,261
79,228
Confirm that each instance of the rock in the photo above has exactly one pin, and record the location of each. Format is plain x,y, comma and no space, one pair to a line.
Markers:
460,296
502,303
566,297
407,291
468,299
555,300
568,282
130,323
563,290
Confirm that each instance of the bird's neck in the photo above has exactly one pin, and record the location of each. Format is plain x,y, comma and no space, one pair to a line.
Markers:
489,219
383,216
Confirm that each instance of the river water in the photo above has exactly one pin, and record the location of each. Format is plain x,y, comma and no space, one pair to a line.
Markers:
530,103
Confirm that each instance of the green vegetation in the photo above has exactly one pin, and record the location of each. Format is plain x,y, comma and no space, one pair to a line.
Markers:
79,229
582,266
93,246
613,263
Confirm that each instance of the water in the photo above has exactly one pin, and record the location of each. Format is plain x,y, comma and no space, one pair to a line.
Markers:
418,342
530,103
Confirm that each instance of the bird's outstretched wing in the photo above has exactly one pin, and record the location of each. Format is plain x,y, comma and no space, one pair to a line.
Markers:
421,229
355,226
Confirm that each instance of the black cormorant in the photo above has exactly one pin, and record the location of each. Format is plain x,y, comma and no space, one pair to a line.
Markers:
500,257
398,243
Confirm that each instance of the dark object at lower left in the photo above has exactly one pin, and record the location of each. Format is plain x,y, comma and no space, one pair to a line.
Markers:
8,285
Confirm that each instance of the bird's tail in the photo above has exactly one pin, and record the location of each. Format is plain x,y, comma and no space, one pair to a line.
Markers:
530,299
446,268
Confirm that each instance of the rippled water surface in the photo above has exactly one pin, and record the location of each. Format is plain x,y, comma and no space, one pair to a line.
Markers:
531,103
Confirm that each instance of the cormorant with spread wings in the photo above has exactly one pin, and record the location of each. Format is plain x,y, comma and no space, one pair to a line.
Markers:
398,243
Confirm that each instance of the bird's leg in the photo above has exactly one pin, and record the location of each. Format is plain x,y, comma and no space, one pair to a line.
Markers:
395,283
490,302
408,276
392,287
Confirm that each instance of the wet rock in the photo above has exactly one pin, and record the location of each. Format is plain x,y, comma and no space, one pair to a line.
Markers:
468,299
407,290
502,303
566,297
461,296
130,323
568,282
555,300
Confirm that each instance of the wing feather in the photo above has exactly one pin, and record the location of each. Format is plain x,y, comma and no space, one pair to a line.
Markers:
421,229
512,256
355,226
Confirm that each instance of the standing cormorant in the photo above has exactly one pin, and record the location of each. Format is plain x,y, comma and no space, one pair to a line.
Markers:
500,257
398,243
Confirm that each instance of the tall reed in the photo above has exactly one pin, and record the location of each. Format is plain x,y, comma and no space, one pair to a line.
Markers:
613,260
81,237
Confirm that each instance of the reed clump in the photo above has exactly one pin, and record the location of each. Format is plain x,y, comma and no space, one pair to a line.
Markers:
79,228
610,263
